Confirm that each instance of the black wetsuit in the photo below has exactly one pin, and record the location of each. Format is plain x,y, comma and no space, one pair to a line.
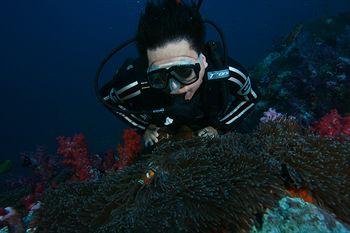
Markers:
208,107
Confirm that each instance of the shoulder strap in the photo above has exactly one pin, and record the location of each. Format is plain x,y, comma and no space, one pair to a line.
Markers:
219,73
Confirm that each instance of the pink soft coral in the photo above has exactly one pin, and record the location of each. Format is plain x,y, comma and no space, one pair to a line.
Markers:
130,150
75,153
346,125
332,125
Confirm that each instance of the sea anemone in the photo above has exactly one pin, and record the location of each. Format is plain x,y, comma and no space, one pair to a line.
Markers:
200,185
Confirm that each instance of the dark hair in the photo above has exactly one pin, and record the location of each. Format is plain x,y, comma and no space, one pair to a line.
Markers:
170,20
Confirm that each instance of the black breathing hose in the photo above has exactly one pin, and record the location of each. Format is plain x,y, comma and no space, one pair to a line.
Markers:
222,38
101,66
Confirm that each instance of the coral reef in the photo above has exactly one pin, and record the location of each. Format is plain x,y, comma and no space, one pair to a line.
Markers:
270,115
333,125
71,164
293,215
309,74
40,162
75,153
206,186
130,150
309,160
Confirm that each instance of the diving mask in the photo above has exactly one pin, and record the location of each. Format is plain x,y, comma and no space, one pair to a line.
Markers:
174,75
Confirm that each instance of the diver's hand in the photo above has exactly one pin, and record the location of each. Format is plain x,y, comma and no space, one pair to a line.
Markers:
150,136
208,132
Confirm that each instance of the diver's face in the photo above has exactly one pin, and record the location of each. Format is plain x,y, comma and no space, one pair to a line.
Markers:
174,52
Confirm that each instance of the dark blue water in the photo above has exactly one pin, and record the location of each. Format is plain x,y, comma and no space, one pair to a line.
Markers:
50,51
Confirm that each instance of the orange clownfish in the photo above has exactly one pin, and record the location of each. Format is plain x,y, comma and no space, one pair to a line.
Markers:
301,193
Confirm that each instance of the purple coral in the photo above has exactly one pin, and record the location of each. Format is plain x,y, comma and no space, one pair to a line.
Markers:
270,115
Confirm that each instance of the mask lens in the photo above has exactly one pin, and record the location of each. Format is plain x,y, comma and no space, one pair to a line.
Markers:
158,80
184,74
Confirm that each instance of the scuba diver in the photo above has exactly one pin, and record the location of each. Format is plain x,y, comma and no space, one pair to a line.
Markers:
178,79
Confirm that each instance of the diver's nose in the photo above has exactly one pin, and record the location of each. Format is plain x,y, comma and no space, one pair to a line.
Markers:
174,86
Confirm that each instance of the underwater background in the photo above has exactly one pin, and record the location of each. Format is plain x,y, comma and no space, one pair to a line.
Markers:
50,51
61,148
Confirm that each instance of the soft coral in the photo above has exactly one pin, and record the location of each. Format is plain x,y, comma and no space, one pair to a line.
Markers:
130,150
332,125
75,152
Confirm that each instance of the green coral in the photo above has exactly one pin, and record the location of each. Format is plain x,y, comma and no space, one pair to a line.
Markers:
203,186
5,166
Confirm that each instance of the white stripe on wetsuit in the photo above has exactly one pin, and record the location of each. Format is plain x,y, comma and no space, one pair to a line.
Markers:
132,119
126,88
233,111
244,88
233,79
239,115
132,115
237,112
132,95
254,94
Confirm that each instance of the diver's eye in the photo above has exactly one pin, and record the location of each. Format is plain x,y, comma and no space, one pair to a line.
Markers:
184,74
158,80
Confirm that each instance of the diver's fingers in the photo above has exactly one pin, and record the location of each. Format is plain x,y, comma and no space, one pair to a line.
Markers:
151,141
202,132
154,130
208,132
207,135
148,142
154,138
155,133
